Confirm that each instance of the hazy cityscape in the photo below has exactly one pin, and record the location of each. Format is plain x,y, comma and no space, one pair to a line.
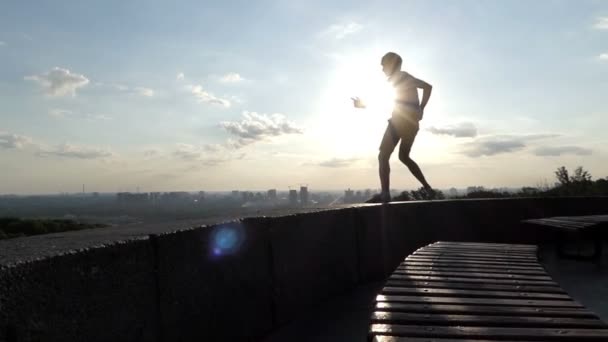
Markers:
135,207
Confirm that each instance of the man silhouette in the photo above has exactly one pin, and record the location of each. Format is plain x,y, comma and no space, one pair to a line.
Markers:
403,124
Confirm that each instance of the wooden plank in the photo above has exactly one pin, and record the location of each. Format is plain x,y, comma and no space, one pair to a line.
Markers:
495,310
479,249
478,301
590,218
485,321
473,286
383,338
472,275
469,265
462,260
409,291
473,280
471,269
480,256
482,244
566,225
549,334
531,253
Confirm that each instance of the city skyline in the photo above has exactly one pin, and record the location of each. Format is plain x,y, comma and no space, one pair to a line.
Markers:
227,95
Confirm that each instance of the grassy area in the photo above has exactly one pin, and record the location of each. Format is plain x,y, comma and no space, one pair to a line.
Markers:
11,227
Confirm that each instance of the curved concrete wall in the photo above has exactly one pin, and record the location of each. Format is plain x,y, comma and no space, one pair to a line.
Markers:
238,281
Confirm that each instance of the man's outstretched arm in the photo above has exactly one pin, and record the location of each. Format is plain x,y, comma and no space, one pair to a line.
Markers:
426,92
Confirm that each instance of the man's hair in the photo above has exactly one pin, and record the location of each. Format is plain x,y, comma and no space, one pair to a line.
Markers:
392,60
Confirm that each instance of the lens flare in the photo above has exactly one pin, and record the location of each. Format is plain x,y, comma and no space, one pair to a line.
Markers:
227,239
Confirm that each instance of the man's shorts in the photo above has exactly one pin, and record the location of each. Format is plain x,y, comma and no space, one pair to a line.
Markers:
399,130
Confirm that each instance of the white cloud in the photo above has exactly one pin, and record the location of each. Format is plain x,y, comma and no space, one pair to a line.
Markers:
180,76
187,152
603,56
206,97
144,91
338,162
2,43
152,153
490,146
14,141
231,77
61,114
497,144
121,87
601,23
461,130
256,127
212,147
207,155
74,151
59,81
553,151
340,31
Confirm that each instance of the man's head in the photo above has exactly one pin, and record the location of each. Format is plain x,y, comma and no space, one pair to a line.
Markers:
391,63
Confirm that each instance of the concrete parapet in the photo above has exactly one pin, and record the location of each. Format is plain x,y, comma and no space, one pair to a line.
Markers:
314,256
215,283
99,294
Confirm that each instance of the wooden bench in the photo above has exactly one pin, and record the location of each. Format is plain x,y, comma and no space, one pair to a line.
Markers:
455,291
593,228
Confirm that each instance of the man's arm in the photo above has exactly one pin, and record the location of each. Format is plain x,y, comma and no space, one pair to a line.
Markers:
426,92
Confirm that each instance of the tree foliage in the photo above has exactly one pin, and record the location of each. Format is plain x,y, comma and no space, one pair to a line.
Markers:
15,227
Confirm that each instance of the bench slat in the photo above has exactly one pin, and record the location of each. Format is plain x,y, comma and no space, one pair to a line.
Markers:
456,291
484,310
477,261
472,275
478,301
473,286
468,264
565,334
472,280
409,291
471,269
480,320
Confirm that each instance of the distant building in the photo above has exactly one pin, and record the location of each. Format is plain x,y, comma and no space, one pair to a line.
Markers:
272,194
128,198
453,192
247,196
303,195
293,197
368,193
349,196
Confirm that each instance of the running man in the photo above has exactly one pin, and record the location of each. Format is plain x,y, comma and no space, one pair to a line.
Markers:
403,124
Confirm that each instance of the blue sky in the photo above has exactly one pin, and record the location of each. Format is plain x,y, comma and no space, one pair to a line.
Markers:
224,95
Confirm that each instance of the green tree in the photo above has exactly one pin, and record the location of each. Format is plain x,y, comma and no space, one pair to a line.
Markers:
562,175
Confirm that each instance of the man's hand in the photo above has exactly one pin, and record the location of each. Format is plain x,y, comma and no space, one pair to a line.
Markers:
357,102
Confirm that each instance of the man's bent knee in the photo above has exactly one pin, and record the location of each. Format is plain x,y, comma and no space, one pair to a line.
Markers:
405,158
384,157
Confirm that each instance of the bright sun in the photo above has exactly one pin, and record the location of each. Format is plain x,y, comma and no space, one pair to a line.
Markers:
352,132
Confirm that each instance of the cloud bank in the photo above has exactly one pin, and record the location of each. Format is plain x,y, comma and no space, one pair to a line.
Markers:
256,127
59,81
461,130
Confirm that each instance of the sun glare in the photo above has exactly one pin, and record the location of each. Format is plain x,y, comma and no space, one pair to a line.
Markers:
351,131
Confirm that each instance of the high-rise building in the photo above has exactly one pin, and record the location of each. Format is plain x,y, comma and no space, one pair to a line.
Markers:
303,195
349,196
272,194
293,197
